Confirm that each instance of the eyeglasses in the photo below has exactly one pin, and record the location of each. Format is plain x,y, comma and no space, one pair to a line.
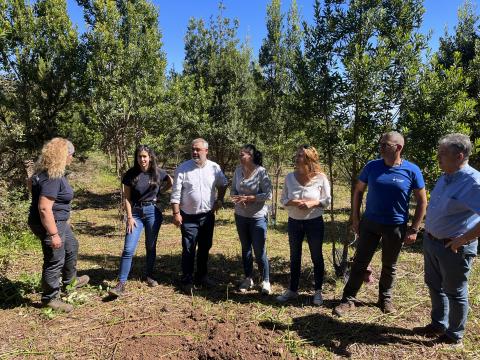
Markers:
383,145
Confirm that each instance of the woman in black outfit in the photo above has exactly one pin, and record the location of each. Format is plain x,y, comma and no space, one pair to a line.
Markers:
142,185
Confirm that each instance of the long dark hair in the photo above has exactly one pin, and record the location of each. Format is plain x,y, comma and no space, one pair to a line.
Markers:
152,168
257,155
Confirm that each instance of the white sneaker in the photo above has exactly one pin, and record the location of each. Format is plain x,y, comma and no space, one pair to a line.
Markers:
266,288
317,298
246,285
287,295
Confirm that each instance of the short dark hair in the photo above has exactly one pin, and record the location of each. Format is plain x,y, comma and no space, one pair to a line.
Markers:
257,155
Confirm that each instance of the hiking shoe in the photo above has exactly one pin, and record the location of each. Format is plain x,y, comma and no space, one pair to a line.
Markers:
446,340
386,306
343,308
58,305
151,282
317,298
266,288
287,295
118,290
246,285
76,283
429,330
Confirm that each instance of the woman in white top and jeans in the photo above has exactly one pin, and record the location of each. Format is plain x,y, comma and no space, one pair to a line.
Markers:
306,193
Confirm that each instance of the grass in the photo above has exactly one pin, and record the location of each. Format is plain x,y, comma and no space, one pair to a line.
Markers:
220,323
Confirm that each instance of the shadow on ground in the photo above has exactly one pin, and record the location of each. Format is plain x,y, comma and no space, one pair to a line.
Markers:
85,199
337,336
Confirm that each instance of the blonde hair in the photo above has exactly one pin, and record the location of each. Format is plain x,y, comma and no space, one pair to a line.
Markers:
311,159
53,158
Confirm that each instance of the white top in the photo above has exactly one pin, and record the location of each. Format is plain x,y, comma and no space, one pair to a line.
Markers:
257,184
194,187
317,189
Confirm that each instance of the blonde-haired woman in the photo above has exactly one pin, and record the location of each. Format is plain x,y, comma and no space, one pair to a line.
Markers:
306,193
48,220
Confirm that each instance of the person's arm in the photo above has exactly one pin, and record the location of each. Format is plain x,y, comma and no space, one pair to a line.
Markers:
45,206
324,197
175,197
470,235
421,208
127,204
221,183
167,183
284,199
358,192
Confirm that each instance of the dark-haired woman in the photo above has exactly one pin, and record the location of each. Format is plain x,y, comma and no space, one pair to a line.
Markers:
251,188
141,187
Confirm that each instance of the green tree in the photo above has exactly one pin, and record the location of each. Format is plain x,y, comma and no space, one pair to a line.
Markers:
125,72
220,68
380,47
39,56
280,127
438,104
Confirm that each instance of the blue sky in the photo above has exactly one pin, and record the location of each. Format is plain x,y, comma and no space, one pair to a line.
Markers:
174,15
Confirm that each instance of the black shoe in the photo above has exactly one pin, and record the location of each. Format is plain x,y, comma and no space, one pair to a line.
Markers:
386,306
429,330
187,288
118,290
446,340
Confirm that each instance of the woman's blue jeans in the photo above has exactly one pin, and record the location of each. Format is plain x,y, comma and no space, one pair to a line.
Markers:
313,229
253,234
150,218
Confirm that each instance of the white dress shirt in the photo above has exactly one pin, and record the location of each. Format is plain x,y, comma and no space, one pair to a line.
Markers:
194,187
317,189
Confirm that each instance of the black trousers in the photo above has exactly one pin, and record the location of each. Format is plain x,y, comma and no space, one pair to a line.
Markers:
61,262
370,234
197,230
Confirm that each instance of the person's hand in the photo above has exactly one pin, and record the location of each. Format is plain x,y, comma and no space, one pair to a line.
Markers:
410,236
296,203
56,241
217,205
131,224
308,204
177,219
455,243
356,225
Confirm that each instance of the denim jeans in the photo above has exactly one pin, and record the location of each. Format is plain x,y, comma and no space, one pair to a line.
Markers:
150,218
313,229
370,234
446,275
253,233
196,230
61,262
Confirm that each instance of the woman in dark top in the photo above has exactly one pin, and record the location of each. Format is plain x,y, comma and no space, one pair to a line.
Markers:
142,185
48,219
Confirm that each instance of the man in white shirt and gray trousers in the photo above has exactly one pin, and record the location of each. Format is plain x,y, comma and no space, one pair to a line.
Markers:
198,189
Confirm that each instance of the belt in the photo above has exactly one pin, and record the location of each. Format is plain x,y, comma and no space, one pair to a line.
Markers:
443,241
144,203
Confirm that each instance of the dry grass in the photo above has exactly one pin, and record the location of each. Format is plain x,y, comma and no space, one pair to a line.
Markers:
220,323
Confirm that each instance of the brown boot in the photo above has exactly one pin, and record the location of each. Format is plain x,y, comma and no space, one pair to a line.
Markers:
343,308
58,305
118,290
76,283
386,306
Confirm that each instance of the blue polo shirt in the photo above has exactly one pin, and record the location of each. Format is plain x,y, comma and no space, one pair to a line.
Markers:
389,190
454,206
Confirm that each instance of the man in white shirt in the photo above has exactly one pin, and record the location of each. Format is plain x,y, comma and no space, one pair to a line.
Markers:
196,183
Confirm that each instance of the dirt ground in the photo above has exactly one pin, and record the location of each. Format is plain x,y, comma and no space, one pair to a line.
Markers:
216,323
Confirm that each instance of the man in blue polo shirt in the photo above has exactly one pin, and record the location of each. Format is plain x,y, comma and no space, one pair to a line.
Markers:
452,226
390,180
